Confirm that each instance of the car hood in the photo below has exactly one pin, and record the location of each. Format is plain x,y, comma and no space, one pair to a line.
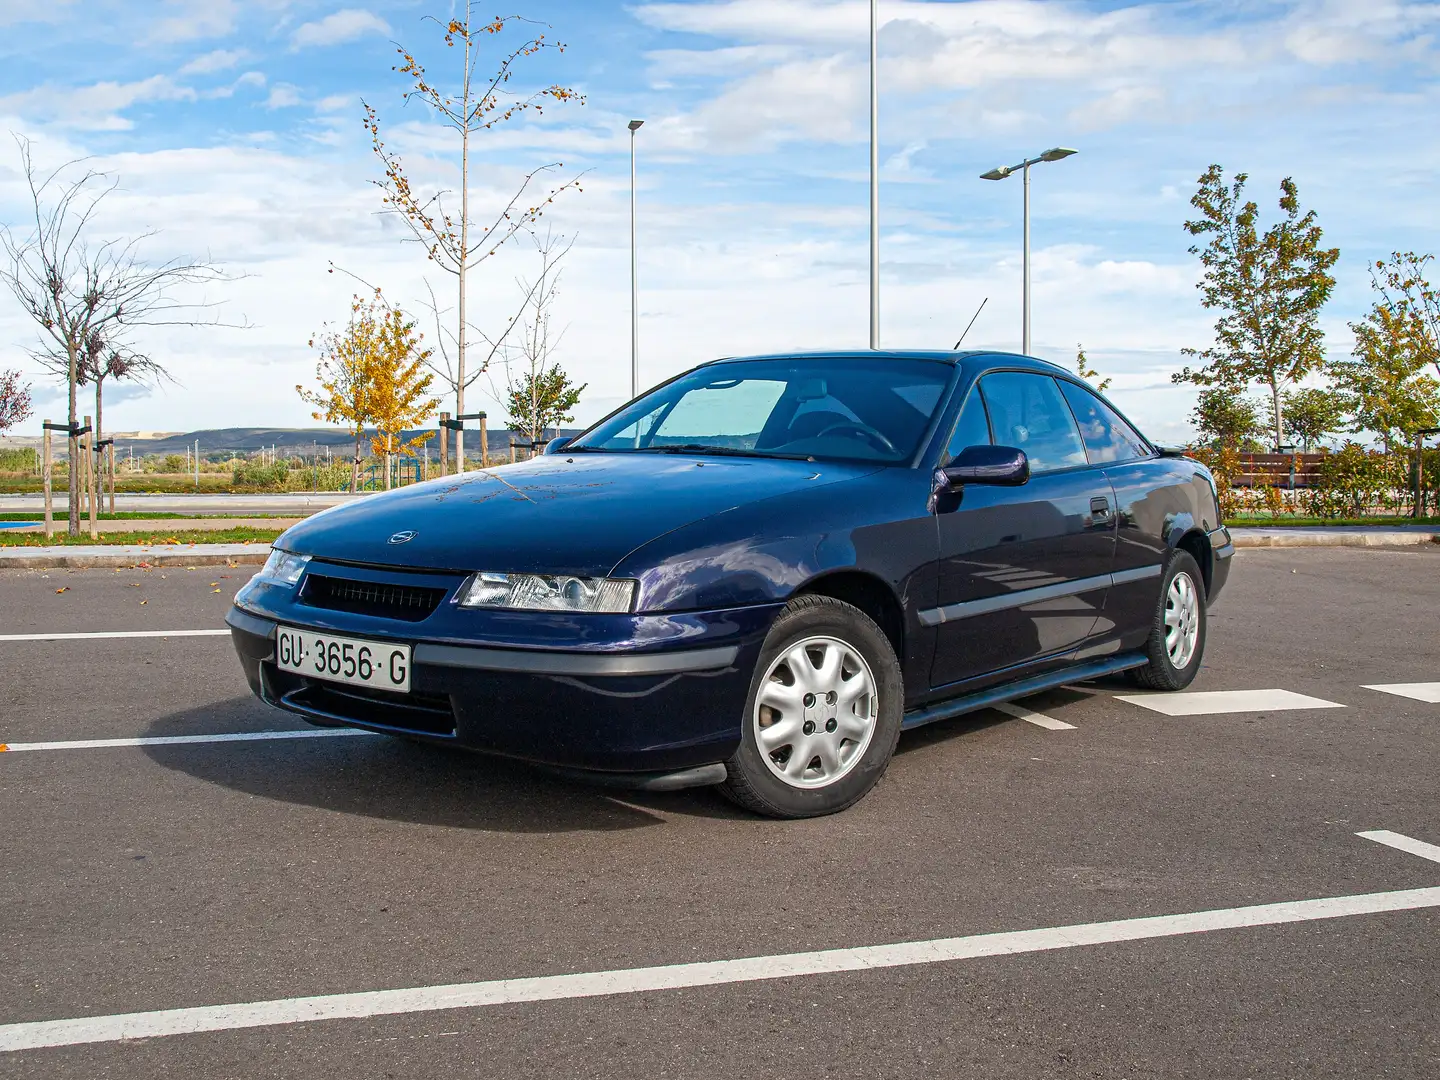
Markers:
555,514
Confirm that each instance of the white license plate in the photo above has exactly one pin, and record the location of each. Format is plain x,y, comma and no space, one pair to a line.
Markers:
376,664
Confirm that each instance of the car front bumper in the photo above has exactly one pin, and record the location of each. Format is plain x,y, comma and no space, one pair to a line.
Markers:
650,717
1222,554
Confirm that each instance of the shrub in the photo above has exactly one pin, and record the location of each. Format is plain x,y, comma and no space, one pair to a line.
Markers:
253,474
19,459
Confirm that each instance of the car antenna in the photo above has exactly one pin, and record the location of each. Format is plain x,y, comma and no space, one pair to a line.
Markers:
972,321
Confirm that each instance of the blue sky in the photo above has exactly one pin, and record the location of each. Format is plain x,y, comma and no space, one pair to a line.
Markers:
233,128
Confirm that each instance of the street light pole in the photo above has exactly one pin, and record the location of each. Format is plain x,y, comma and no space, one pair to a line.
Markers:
874,178
1056,154
1025,303
635,126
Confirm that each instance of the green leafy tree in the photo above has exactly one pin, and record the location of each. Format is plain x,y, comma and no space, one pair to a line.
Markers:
1311,414
540,400
1226,418
1086,372
1268,287
1384,387
1401,282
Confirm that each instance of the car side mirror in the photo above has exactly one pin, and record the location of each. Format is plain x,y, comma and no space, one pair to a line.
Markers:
1006,466
556,445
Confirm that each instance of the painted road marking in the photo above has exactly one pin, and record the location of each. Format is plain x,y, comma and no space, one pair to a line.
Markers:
1420,691
115,1028
1404,843
1038,719
115,634
181,740
1205,703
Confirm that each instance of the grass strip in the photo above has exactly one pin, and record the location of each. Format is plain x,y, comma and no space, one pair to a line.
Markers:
143,515
179,538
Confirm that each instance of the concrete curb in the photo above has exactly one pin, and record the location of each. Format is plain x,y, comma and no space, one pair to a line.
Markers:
1307,537
119,556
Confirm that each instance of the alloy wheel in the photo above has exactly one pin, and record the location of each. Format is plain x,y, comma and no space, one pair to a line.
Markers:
1182,620
815,712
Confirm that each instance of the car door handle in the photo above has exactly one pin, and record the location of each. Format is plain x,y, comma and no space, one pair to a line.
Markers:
1099,507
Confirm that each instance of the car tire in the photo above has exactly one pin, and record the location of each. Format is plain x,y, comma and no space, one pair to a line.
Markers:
1176,645
845,725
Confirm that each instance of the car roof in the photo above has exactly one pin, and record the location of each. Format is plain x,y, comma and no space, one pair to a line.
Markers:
991,357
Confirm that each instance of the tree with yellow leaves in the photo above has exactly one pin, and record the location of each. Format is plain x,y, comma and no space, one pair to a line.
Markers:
371,373
399,389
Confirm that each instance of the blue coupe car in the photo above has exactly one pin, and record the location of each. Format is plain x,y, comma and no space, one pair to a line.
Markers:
755,575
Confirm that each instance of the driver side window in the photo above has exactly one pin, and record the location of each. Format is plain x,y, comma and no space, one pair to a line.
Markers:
1027,411
972,428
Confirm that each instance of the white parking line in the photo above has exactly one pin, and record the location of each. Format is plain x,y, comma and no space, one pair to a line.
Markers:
101,1029
1211,702
1036,718
180,740
1420,691
115,634
1403,843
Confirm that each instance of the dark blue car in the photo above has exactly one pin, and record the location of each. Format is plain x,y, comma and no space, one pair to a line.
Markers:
755,575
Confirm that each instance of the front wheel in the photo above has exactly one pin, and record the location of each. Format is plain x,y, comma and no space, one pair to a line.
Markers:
1177,632
823,714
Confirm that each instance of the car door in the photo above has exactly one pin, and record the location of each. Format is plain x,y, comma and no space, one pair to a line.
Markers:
1024,571
1153,497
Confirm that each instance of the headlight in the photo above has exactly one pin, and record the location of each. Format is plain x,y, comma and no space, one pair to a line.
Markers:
541,592
283,567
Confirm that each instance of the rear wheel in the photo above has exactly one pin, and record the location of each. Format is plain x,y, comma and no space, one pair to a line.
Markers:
1177,635
823,714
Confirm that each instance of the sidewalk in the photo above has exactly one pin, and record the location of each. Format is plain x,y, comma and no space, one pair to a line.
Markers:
157,525
1334,536
121,555
299,503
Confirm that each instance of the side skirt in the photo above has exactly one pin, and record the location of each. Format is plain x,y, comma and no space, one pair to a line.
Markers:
958,706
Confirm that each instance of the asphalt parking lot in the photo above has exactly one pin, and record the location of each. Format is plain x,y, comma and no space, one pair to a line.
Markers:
196,874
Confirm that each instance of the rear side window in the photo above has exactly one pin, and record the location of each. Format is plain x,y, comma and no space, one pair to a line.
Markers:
1107,437
1028,411
971,429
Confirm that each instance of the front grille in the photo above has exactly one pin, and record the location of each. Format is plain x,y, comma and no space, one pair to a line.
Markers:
409,603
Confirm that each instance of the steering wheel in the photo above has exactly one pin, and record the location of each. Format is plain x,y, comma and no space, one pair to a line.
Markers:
869,434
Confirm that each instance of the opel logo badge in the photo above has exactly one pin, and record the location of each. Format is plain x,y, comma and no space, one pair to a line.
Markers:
403,537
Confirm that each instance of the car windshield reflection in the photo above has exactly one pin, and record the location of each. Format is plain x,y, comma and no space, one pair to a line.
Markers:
873,409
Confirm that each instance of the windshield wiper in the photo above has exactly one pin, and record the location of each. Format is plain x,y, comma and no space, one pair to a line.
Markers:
720,451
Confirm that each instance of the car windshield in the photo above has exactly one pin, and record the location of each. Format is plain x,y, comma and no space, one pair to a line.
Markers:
827,408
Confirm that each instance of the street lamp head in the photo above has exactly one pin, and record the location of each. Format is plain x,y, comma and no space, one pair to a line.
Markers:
997,174
1057,154
635,125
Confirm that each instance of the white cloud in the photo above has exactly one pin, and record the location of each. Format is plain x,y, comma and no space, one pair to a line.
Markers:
195,19
283,96
345,25
22,11
211,62
97,107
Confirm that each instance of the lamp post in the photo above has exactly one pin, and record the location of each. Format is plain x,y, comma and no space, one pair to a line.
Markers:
1056,154
874,179
635,126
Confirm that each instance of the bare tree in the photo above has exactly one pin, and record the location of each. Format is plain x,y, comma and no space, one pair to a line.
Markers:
100,360
451,240
85,295
538,394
